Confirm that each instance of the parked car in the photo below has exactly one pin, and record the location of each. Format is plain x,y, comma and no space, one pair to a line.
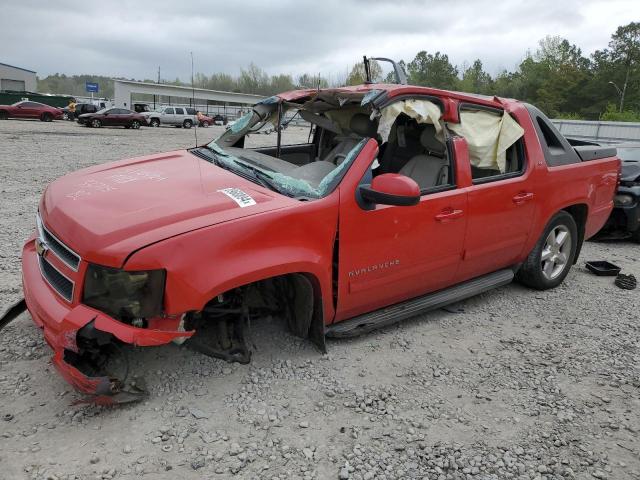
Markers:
175,116
403,200
204,120
29,109
141,107
113,117
625,218
81,108
220,119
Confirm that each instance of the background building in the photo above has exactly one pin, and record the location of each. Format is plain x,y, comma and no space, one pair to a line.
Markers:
16,78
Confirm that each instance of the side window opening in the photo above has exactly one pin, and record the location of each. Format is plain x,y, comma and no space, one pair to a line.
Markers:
179,111
169,111
495,142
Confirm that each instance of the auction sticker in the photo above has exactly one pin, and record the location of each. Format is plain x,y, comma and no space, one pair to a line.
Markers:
242,198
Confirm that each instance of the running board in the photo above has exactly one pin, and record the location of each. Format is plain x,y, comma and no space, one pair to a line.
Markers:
410,308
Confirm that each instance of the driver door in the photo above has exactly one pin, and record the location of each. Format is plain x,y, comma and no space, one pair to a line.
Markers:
393,253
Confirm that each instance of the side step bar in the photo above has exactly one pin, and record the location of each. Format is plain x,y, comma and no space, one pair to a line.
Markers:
410,308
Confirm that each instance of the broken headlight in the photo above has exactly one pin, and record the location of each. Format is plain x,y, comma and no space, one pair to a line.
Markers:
131,297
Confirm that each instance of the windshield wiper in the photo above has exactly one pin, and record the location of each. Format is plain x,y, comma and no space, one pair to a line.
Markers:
263,178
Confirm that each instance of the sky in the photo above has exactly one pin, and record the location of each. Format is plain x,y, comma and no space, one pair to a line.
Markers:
132,39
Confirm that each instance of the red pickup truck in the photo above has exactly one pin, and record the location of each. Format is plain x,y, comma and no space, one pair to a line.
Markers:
403,200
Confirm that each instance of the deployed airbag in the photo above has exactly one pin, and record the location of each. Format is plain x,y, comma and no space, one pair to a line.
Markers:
488,135
423,111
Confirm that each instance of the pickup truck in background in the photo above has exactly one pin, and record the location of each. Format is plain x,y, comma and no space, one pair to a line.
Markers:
174,116
403,200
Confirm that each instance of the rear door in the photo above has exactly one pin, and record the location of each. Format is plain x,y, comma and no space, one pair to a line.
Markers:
179,116
501,212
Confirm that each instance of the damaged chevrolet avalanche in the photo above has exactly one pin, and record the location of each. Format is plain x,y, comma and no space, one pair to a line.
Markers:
403,199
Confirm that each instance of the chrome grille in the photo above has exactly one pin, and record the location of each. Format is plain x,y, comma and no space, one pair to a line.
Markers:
64,253
56,279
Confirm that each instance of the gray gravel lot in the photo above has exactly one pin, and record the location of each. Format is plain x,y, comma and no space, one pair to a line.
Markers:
513,383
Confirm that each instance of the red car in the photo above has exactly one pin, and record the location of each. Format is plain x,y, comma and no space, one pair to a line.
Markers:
29,109
113,117
404,199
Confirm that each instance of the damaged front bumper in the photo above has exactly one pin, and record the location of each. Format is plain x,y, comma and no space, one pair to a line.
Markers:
76,332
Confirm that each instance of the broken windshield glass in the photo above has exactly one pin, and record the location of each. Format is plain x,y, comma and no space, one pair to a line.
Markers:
289,183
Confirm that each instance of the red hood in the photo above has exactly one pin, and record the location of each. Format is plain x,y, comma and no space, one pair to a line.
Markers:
106,212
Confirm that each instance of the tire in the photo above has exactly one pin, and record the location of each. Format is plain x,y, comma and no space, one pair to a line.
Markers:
96,123
205,124
154,122
187,124
3,115
65,116
558,243
635,236
46,117
135,125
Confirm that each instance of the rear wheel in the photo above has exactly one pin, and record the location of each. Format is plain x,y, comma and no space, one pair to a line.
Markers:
46,117
135,124
187,124
154,122
550,260
95,123
3,115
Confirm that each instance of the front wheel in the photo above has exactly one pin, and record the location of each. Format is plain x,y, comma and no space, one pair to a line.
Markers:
47,117
135,124
95,123
154,122
550,260
187,124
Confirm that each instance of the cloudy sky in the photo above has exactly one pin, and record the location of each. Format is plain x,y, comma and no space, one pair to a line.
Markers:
132,38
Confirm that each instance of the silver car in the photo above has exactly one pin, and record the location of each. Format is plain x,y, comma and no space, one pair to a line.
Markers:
175,116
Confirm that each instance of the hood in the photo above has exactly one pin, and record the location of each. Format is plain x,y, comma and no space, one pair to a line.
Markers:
630,171
106,212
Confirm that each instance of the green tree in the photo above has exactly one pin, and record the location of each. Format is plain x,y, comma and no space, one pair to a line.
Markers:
432,71
475,79
358,76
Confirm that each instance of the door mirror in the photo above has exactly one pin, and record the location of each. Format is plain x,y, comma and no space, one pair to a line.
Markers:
390,189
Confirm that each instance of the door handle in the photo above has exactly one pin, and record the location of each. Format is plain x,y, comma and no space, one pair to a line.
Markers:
522,197
448,214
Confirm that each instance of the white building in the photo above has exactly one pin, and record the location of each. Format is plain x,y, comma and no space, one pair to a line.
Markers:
16,78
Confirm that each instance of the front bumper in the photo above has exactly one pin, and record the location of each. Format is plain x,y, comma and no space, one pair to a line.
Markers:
61,321
626,218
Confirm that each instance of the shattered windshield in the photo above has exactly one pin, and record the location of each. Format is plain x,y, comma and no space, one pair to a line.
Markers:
326,141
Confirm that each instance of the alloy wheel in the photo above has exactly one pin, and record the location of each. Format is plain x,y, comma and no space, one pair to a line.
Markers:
556,252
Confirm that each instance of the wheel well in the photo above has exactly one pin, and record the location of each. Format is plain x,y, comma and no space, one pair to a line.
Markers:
294,296
579,213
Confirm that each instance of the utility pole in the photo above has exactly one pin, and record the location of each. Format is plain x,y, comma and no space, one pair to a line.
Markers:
158,74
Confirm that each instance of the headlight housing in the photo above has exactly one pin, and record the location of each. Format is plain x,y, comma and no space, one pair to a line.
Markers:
622,200
131,297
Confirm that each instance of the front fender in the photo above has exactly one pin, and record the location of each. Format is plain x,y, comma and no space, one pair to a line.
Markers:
204,263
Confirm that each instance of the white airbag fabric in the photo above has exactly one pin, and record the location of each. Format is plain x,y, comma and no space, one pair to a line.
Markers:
423,111
488,136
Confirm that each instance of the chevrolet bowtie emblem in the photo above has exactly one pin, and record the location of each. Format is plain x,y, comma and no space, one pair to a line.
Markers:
41,247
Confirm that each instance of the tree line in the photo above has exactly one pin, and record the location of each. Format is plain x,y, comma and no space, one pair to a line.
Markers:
557,77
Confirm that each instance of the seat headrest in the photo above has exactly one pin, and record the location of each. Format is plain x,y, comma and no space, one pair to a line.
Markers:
360,124
429,141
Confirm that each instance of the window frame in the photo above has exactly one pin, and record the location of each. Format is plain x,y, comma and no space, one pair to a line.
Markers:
520,146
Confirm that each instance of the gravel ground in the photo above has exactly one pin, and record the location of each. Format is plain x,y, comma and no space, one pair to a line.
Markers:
513,383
